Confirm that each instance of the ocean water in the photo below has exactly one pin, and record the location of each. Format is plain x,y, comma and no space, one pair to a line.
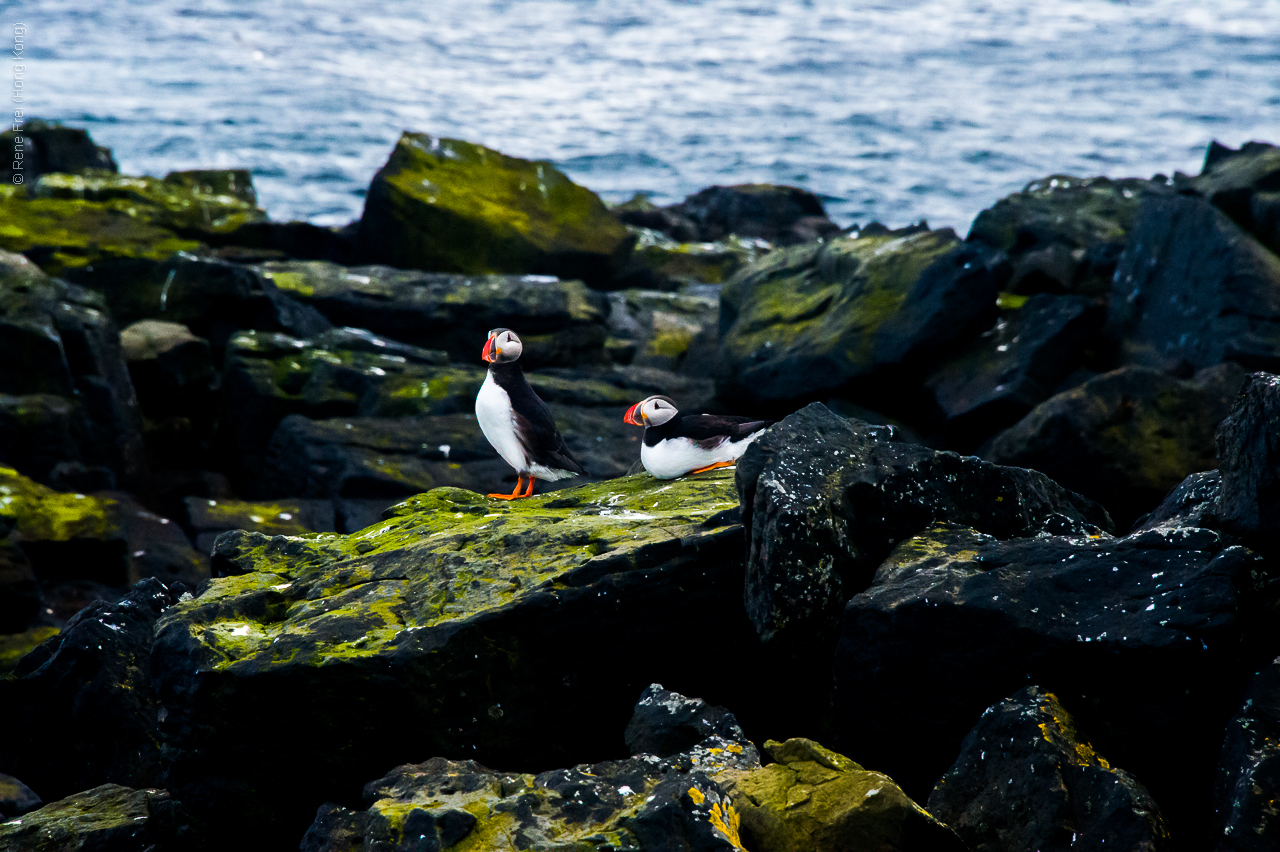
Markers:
894,111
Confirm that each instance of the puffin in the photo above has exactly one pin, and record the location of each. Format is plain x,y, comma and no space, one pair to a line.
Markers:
516,422
675,445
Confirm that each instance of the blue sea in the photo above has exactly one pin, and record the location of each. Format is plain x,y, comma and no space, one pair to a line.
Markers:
890,111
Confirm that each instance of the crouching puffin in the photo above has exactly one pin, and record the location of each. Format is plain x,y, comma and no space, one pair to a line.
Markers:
516,421
675,445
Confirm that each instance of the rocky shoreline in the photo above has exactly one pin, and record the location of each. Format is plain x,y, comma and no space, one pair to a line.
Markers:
1008,551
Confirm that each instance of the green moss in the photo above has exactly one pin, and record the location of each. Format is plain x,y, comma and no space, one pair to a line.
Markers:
694,263
41,514
69,234
835,299
456,553
15,646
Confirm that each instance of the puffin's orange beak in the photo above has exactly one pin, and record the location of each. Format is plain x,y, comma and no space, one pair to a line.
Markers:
486,354
630,416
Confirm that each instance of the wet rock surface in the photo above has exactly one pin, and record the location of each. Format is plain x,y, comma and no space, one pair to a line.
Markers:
1250,768
1249,451
1124,438
1145,639
1027,779
825,499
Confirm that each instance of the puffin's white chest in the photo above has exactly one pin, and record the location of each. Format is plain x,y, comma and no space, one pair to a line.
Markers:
677,456
498,423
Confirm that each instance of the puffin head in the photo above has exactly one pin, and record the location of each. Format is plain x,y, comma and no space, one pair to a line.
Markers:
502,346
653,411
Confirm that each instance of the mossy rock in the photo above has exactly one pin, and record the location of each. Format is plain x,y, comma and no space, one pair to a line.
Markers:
446,205
40,514
197,205
815,318
815,799
473,626
663,329
109,817
560,322
15,646
661,263
74,237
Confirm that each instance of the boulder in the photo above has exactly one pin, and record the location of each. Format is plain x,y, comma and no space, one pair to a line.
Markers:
1064,234
1249,451
15,646
50,147
444,205
824,501
82,708
1249,772
560,323
195,205
810,320
61,342
1027,779
786,215
1244,184
646,802
268,376
212,298
1124,438
1144,639
256,242
109,818
1194,502
1194,289
660,263
1018,363
16,798
444,617
666,723
171,369
668,331
812,798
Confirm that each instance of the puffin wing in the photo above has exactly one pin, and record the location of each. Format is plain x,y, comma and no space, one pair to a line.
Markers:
542,441
712,430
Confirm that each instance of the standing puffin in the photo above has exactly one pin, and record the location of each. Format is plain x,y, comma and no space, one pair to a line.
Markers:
675,445
516,422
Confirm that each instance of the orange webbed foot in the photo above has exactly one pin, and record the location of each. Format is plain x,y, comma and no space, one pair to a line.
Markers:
711,467
515,495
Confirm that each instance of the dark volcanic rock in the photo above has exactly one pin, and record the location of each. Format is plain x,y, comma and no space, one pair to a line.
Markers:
1027,779
825,499
1249,774
280,240
445,205
50,147
1124,438
666,723
1193,289
809,320
1249,451
784,215
1142,638
1244,184
560,323
450,618
16,798
172,369
1015,365
213,298
108,818
1064,234
19,592
207,518
58,340
1193,503
82,709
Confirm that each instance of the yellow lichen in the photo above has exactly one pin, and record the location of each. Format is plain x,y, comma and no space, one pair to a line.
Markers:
727,822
